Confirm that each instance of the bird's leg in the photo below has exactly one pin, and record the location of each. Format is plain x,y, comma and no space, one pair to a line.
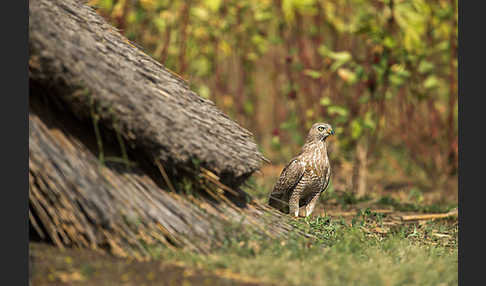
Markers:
309,208
294,203
302,211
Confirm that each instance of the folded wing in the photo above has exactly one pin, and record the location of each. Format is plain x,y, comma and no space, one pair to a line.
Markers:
289,178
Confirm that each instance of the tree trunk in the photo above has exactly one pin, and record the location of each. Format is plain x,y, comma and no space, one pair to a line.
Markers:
360,169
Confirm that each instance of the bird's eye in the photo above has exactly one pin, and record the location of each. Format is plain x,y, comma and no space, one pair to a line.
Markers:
320,128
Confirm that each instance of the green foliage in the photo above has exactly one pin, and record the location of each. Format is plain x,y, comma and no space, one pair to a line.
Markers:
367,67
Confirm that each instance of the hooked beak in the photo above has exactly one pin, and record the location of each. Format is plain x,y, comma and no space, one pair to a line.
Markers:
331,132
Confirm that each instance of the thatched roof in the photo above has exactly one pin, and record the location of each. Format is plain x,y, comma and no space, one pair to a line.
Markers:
83,61
122,153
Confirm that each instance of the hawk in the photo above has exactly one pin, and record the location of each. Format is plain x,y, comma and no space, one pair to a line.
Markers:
306,176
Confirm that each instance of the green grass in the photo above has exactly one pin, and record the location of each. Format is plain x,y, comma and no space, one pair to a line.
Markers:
355,251
339,254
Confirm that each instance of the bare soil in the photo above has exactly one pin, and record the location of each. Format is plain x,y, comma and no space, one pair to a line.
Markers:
53,266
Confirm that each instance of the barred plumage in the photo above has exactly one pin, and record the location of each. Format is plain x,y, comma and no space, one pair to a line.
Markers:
306,176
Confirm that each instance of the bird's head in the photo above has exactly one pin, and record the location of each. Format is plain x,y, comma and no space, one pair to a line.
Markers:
319,132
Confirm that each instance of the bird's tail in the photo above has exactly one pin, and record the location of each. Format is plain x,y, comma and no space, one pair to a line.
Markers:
277,201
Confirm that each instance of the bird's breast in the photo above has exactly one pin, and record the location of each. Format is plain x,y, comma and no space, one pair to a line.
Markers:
317,163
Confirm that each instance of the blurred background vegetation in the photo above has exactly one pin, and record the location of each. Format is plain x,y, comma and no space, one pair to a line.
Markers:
382,72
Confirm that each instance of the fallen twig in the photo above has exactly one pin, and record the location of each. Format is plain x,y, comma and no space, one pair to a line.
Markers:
429,216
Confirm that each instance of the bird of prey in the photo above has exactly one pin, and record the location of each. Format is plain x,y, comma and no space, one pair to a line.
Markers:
306,176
